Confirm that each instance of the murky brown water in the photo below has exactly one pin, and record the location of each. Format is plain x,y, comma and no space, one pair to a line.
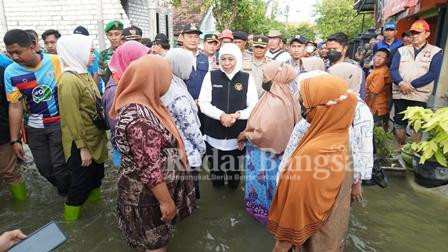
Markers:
393,219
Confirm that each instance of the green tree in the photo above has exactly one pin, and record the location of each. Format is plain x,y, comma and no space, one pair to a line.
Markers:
340,16
305,29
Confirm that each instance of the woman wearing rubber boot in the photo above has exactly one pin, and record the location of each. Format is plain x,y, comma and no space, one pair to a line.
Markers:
9,170
83,129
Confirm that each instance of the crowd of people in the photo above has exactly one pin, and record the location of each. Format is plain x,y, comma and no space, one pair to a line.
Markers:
297,115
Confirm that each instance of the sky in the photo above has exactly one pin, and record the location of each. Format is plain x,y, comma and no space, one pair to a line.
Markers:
299,10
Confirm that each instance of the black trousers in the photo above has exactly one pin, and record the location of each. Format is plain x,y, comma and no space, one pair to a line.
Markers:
401,105
46,146
224,165
83,179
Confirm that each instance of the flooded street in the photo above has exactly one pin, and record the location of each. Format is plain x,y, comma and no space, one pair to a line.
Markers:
393,219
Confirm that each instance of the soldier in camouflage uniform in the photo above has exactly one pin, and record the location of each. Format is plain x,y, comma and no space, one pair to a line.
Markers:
113,31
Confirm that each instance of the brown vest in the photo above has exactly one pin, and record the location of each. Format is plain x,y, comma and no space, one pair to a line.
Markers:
412,68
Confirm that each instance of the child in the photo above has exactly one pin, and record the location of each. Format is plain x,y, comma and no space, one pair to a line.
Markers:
378,88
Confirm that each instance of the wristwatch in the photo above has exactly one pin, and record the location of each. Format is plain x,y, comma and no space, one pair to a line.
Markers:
15,141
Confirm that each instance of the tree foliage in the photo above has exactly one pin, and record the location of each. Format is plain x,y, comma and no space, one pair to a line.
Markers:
250,16
339,15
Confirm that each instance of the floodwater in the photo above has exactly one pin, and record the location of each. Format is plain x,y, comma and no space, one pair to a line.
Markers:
397,218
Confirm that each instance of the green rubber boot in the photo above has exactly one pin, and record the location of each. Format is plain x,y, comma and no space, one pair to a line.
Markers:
71,213
95,195
18,191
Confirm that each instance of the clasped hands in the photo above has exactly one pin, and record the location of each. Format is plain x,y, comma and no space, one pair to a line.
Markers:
406,87
228,120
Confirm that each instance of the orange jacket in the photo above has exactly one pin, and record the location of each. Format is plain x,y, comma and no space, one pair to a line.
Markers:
378,90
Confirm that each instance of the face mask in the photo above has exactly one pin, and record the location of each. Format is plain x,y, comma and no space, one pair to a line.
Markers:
334,56
367,46
266,85
302,110
310,49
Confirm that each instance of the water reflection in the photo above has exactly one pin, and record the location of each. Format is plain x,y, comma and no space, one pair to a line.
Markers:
392,219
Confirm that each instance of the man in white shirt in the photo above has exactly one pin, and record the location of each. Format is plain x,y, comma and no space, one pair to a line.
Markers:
275,51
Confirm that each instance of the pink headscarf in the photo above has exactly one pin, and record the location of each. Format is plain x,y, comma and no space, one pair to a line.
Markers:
125,54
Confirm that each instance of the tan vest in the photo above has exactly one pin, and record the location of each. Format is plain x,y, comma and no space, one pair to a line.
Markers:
411,69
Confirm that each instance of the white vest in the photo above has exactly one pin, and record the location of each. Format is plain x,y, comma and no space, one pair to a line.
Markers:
412,68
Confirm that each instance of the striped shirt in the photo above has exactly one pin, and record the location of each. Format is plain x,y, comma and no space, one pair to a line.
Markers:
38,88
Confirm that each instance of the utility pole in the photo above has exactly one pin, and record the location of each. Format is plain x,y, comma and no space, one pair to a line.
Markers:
3,21
100,24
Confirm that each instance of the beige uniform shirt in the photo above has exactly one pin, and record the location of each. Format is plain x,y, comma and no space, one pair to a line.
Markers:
255,68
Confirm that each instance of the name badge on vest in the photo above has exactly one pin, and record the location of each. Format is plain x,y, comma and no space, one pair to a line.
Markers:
238,86
427,54
217,86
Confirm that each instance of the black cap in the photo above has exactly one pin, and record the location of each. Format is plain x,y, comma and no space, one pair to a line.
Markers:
132,33
406,34
261,41
191,28
161,38
240,35
387,51
81,30
298,38
211,38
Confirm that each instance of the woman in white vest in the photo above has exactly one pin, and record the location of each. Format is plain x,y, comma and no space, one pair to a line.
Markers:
227,98
414,69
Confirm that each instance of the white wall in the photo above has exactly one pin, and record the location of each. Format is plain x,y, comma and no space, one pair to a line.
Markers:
66,15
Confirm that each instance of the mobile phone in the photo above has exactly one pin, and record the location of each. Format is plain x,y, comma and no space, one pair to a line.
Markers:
46,238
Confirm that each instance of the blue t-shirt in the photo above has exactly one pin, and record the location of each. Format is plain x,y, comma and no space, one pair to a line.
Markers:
4,61
392,47
38,86
94,69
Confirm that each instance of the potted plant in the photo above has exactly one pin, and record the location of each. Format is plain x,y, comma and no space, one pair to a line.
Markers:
431,154
407,155
384,153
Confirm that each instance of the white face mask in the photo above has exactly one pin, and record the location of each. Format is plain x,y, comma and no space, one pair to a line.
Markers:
310,49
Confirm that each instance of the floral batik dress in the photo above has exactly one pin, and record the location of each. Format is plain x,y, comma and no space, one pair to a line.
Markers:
149,156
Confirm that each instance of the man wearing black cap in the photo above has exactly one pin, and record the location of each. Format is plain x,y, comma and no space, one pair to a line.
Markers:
132,33
190,37
240,39
211,43
259,60
297,50
161,44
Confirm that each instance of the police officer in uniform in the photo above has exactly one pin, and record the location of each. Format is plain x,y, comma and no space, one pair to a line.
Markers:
257,61
211,43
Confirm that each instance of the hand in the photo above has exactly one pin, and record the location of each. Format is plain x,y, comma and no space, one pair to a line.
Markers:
241,145
406,88
357,192
227,120
242,140
86,157
236,115
168,210
18,149
10,238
